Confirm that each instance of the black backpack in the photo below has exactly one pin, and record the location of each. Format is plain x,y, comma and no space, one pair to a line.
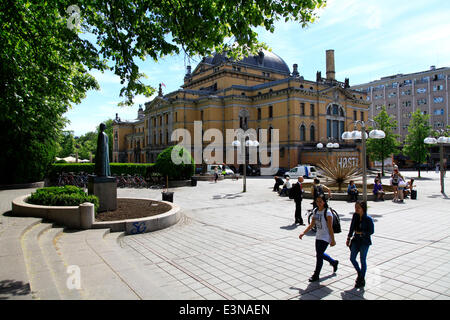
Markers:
318,190
336,221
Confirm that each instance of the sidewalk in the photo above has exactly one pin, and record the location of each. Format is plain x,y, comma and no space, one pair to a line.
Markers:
234,245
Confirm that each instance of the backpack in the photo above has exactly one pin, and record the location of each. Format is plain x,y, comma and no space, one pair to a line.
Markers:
318,190
336,221
395,179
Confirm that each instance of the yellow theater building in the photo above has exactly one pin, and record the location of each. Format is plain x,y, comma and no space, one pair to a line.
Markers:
258,92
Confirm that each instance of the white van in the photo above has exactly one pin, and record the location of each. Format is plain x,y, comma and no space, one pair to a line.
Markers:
302,170
220,169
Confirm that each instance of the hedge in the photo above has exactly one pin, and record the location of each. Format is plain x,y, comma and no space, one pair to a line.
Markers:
143,169
62,196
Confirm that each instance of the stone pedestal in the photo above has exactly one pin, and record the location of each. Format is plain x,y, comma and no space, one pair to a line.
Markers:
105,188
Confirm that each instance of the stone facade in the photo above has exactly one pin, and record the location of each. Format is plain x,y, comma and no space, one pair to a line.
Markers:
258,92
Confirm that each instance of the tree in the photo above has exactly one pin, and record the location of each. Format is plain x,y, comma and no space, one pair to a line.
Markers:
66,146
45,60
418,130
166,166
88,145
380,149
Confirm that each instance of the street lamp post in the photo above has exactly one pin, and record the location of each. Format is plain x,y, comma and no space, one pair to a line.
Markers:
355,135
441,141
248,143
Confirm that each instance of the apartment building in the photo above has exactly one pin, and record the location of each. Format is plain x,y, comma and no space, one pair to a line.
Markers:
402,94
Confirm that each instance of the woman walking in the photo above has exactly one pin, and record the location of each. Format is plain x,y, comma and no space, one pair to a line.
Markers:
361,228
323,220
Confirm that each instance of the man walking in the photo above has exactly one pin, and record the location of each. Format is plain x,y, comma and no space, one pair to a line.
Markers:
297,194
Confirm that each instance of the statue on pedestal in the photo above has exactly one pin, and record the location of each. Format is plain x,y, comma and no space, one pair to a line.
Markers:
102,168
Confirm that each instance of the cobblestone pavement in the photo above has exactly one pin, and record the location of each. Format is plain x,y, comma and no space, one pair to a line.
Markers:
234,245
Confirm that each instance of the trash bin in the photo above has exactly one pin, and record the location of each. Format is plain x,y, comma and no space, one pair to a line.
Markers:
413,194
193,182
167,196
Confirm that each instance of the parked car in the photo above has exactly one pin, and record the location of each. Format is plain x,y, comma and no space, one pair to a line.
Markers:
220,167
302,170
281,172
252,170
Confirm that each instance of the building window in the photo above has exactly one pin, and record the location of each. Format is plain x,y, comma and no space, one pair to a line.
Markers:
302,109
201,115
302,132
269,135
362,116
312,109
392,94
438,99
406,92
406,103
421,101
259,113
421,90
312,133
438,87
355,115
270,111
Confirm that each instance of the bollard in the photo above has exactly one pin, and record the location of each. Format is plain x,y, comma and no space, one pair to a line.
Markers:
86,215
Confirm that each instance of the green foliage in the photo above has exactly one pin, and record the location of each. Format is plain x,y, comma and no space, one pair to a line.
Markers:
62,196
44,64
88,145
43,70
66,144
418,130
166,167
380,149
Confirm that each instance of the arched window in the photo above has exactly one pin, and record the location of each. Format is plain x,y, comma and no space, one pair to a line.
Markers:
335,121
312,133
269,135
302,133
243,119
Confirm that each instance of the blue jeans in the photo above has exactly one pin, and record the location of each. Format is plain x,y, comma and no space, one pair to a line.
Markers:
321,246
358,247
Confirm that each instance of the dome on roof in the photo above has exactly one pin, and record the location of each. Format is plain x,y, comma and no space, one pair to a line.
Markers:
264,59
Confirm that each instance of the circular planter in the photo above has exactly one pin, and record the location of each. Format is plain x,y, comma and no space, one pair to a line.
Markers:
82,217
143,225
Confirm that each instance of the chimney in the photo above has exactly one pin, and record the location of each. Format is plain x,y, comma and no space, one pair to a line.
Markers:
188,70
295,72
330,65
318,76
347,83
433,68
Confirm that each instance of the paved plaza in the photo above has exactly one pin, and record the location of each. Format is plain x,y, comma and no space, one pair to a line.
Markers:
232,245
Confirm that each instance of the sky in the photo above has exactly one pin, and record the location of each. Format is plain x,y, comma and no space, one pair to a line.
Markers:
370,38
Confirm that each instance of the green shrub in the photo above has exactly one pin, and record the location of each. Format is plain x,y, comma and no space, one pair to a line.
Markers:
62,196
165,166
